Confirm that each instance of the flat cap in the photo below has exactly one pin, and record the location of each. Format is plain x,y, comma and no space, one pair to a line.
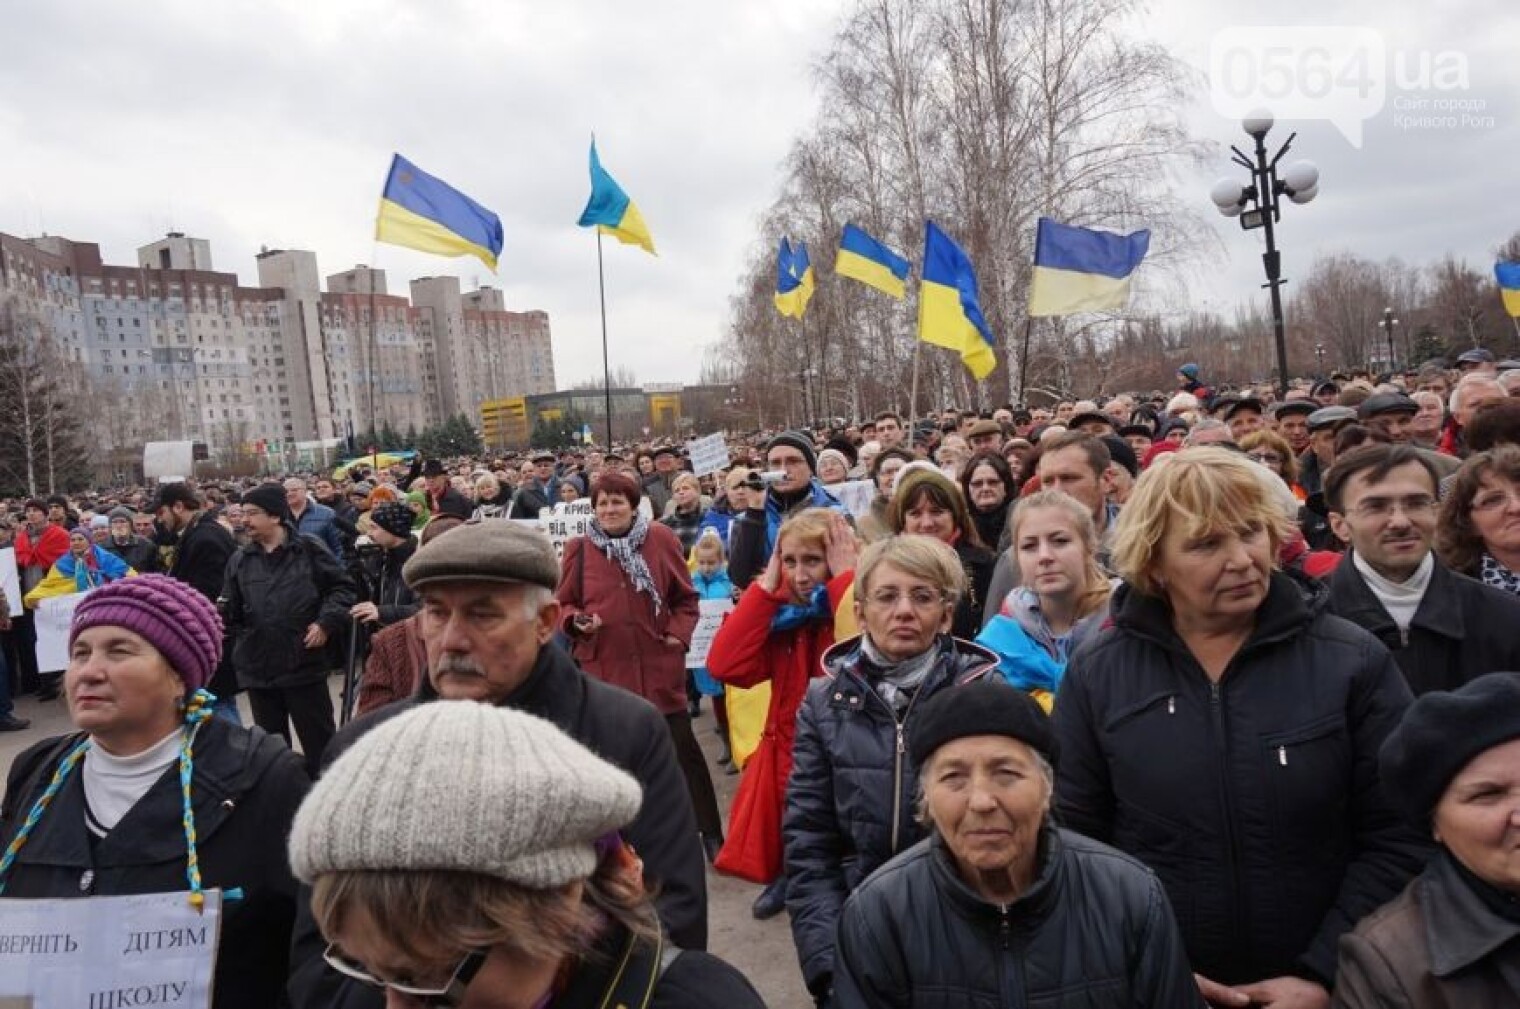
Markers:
1441,733
1090,417
1329,416
1244,403
1387,402
1478,355
985,707
983,428
1289,407
485,550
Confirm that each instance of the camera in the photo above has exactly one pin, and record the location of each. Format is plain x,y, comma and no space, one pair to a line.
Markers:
772,477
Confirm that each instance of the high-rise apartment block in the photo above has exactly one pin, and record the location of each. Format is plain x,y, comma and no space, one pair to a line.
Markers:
172,349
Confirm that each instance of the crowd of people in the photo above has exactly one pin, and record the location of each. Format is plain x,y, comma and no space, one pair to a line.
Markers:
1197,697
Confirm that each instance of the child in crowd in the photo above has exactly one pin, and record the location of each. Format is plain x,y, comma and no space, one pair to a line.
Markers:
710,578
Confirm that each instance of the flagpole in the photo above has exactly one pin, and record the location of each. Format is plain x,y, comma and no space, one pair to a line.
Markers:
1024,359
918,349
601,283
374,354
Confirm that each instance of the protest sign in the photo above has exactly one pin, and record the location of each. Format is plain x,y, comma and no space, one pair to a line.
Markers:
53,617
565,521
855,495
711,618
10,580
708,454
109,952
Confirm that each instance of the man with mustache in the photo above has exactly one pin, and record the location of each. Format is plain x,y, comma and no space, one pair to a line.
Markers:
487,624
1444,628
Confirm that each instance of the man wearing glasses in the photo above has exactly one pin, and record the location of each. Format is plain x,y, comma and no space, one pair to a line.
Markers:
1444,628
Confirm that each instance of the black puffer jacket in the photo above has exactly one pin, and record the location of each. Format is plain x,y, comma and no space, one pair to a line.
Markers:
849,801
271,598
246,788
139,553
1256,798
1094,930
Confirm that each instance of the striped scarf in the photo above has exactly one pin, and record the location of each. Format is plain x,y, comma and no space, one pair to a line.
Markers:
624,552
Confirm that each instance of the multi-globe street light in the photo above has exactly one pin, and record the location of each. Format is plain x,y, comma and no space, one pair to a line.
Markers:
1388,325
1257,206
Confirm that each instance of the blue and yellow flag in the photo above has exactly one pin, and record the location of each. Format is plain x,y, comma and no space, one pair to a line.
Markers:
794,279
863,258
611,211
1508,276
1081,270
427,214
949,314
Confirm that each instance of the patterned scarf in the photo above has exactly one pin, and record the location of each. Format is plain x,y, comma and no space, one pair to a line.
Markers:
1500,577
624,552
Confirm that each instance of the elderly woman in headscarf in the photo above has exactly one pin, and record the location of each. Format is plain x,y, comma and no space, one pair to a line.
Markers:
1449,941
86,566
508,887
933,926
629,609
152,794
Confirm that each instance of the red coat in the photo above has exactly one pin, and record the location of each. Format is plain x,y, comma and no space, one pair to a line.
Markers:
746,653
44,552
629,650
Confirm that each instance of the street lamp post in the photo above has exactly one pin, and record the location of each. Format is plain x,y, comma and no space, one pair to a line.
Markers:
1319,355
1258,206
1388,325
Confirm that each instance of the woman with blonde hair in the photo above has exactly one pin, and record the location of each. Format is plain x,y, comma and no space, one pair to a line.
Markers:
777,634
1062,596
1224,728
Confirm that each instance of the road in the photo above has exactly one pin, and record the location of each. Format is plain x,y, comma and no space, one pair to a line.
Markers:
762,950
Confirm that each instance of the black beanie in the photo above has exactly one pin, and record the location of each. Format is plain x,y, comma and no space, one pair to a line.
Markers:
394,517
985,707
798,441
269,497
1440,733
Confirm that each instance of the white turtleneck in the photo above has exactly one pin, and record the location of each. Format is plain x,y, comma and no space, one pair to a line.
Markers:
1400,599
112,785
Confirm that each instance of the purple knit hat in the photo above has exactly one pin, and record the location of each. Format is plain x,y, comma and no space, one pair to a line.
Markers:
173,618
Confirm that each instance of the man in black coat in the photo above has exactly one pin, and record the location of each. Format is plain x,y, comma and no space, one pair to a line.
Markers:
138,552
442,498
1443,628
201,547
285,598
488,620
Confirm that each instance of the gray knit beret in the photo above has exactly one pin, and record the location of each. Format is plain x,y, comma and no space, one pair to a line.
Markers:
465,787
486,550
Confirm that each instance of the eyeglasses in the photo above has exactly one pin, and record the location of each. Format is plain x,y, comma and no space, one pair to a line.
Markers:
919,599
1265,458
1383,507
1494,500
449,996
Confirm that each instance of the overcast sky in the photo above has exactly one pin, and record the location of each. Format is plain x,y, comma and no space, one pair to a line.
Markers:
272,123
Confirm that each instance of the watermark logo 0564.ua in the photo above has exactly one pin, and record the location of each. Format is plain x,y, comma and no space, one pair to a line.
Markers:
1339,74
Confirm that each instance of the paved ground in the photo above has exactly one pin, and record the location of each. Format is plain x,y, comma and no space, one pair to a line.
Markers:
762,950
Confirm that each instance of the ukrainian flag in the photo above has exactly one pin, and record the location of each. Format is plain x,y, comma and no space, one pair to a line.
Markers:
427,214
1080,270
611,211
863,258
949,314
794,279
1508,276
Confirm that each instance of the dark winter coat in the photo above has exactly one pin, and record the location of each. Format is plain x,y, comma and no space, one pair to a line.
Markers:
390,593
1438,945
622,729
1256,799
1093,930
246,788
200,556
1461,630
451,502
270,599
635,973
978,563
849,801
629,650
138,553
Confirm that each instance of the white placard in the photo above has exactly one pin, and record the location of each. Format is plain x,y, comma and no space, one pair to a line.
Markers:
708,623
565,521
10,581
106,952
708,454
53,616
855,495
168,460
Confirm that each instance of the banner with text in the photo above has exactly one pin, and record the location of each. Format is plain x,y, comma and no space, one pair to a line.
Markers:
712,613
708,454
10,580
53,617
109,952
